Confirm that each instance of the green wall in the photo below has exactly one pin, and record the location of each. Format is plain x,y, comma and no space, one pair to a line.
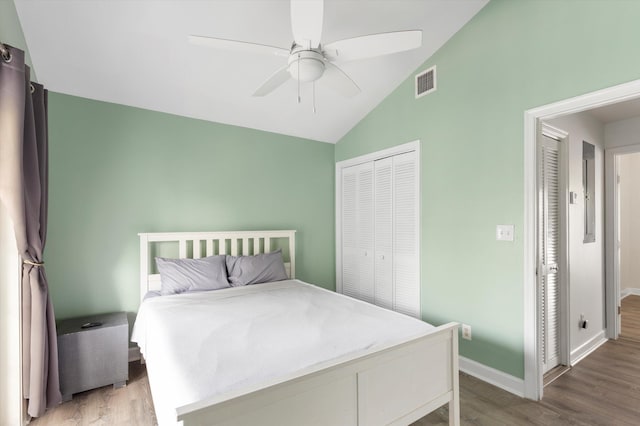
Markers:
513,56
116,171
11,31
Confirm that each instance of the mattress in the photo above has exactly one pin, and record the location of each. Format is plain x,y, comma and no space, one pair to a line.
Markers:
200,345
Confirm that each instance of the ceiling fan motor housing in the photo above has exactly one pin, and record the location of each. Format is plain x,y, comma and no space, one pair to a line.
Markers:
306,65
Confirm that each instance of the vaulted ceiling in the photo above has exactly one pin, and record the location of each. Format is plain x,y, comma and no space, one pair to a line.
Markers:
137,53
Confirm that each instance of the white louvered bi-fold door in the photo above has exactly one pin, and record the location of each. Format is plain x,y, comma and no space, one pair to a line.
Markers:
548,243
379,221
406,234
358,231
384,233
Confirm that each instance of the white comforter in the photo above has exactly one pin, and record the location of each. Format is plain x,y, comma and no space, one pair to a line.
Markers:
199,345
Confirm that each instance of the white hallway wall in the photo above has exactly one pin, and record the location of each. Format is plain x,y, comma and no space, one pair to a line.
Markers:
586,270
618,134
622,133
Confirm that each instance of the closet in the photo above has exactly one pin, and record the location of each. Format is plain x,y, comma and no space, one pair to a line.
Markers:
377,203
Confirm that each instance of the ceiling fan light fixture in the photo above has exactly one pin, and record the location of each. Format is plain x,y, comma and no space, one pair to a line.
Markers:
306,66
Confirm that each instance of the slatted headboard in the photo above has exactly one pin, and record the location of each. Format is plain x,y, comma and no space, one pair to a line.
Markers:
200,244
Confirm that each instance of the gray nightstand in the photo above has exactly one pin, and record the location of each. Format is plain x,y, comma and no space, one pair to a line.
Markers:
93,356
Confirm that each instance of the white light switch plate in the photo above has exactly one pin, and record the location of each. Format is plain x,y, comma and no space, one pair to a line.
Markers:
504,232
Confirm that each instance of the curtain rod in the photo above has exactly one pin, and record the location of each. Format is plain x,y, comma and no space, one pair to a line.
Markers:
6,55
4,51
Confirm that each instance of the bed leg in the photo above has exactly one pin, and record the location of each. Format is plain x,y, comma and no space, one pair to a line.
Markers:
454,411
454,403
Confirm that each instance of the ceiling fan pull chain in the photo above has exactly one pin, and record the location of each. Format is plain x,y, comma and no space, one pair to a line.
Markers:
298,77
314,97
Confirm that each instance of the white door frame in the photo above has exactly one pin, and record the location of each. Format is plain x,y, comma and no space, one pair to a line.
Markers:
611,171
532,118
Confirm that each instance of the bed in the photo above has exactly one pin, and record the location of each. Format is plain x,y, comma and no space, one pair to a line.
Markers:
284,352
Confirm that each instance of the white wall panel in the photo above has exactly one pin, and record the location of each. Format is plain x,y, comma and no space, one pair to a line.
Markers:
10,391
586,260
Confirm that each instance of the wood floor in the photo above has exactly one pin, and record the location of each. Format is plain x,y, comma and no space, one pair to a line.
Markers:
603,389
630,326
130,405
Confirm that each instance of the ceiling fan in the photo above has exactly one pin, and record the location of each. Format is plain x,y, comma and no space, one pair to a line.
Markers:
309,59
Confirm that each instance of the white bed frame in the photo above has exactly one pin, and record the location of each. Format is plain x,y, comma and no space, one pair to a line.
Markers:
395,385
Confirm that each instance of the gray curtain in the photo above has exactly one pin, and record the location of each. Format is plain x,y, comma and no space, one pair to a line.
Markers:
24,192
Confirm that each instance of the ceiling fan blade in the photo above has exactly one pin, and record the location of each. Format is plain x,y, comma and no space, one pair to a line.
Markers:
237,46
339,81
306,22
372,45
276,80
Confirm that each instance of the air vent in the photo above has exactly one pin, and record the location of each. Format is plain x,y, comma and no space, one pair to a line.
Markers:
426,82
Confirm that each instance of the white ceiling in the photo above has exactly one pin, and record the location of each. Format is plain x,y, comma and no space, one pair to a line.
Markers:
617,112
136,53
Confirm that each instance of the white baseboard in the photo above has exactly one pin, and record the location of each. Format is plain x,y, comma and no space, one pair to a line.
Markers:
492,376
628,292
134,353
586,348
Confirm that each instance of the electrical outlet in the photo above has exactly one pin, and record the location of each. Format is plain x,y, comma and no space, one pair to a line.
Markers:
583,324
466,332
504,232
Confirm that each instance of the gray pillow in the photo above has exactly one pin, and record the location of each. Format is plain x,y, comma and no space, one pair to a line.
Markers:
261,268
182,275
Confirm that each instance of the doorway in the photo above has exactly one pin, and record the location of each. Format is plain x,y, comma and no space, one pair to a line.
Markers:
624,184
628,189
571,245
533,383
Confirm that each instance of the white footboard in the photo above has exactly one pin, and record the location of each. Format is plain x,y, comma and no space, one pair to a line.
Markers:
394,386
